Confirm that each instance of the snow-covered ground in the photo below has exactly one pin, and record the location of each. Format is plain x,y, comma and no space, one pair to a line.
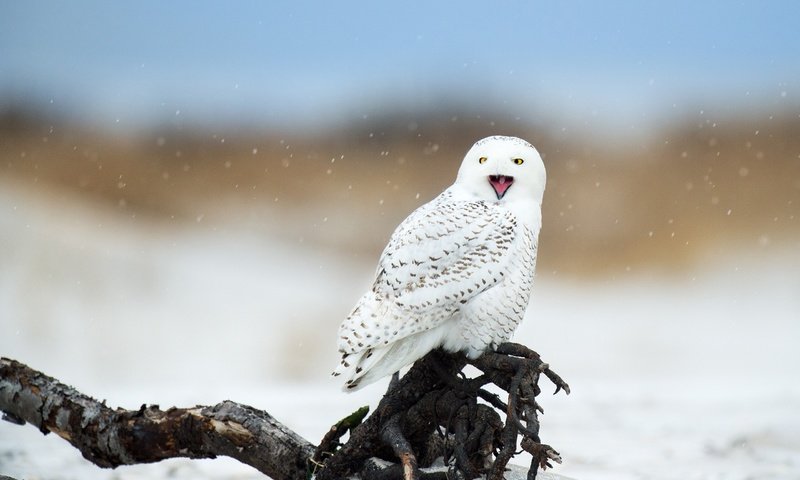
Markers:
689,376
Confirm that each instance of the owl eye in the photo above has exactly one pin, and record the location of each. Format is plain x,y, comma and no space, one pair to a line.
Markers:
482,160
518,161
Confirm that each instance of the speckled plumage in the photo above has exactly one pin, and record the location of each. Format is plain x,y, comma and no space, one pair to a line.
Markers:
457,272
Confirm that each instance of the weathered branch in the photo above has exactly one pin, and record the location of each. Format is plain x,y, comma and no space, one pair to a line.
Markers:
112,437
432,401
431,416
365,441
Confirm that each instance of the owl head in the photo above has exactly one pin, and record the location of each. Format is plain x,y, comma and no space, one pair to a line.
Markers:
503,169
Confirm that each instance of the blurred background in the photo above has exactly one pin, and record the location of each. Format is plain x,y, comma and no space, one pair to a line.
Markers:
194,194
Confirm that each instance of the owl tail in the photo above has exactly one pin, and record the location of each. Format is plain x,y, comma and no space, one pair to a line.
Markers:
363,368
370,365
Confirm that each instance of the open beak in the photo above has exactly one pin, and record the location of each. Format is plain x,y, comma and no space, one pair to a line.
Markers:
500,184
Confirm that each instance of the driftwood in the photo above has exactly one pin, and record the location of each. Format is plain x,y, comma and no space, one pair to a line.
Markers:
433,412
113,437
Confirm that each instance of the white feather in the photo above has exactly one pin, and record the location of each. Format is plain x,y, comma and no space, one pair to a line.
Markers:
457,272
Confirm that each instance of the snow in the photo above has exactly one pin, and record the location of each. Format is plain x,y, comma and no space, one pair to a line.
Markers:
689,376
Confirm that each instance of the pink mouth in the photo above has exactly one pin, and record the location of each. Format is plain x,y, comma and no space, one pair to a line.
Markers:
500,184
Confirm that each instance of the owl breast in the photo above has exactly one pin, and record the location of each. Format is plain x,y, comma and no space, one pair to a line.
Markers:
492,317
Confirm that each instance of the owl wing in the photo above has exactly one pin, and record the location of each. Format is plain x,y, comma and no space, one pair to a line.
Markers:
440,257
445,255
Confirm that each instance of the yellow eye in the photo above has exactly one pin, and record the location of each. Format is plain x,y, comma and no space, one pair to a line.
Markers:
482,160
518,161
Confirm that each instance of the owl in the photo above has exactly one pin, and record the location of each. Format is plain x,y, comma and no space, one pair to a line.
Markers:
457,273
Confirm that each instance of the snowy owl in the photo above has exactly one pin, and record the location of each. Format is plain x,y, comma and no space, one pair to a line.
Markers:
457,273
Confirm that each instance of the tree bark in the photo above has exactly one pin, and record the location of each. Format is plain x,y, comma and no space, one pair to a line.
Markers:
112,437
433,412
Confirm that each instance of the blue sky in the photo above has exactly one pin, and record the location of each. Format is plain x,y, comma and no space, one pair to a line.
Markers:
310,62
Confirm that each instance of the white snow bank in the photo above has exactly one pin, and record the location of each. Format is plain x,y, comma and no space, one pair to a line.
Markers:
689,377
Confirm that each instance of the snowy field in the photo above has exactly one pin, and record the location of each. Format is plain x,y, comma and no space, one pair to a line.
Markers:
689,376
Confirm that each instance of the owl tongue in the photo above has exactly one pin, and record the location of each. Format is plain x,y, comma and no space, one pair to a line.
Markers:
500,183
